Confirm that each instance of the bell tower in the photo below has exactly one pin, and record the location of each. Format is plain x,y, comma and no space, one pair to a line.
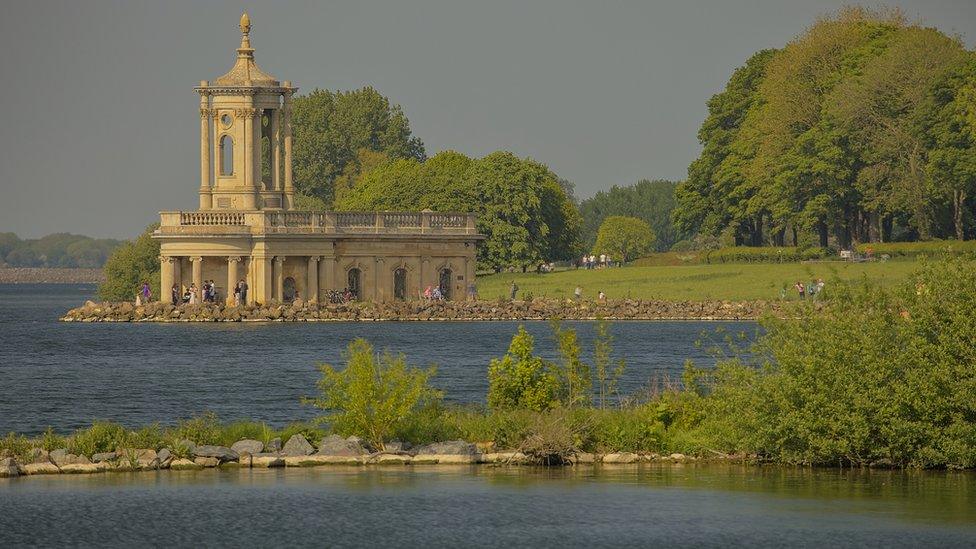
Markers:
245,137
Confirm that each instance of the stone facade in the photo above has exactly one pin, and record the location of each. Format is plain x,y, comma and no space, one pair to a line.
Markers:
246,227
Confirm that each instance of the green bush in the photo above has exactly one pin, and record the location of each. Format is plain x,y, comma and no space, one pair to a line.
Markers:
15,446
933,248
747,254
102,436
203,429
130,265
522,380
375,394
874,376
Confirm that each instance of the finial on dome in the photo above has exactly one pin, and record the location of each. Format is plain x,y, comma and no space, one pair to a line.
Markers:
245,24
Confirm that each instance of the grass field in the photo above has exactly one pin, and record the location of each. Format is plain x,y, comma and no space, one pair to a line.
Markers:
691,282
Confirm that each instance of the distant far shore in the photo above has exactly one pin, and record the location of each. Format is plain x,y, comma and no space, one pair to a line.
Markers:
45,275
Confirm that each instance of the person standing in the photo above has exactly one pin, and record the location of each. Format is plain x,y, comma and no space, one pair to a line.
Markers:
514,291
578,293
175,294
146,292
243,286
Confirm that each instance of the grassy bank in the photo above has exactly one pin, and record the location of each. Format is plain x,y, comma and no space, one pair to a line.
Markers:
732,282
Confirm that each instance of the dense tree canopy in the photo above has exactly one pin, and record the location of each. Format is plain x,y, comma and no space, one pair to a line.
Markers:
131,264
522,207
331,129
652,201
624,238
856,131
55,250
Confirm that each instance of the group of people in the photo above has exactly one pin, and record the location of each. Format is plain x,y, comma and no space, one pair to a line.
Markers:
207,293
344,295
433,293
595,262
804,291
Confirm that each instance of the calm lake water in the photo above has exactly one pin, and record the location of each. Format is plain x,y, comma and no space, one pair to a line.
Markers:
625,506
64,374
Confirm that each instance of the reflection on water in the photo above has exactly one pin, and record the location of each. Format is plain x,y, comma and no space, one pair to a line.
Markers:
495,506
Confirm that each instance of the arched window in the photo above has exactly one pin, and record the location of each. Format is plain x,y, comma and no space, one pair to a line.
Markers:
289,290
226,155
445,283
400,284
353,280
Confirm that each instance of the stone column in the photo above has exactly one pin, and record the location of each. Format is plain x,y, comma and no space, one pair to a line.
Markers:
206,198
232,263
328,268
167,274
312,284
178,272
250,197
261,292
378,278
279,279
289,185
276,182
424,273
469,268
197,272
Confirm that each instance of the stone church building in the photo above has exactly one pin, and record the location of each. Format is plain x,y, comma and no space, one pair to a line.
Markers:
246,227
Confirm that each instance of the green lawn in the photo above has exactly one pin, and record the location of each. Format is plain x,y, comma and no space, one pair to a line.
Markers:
690,282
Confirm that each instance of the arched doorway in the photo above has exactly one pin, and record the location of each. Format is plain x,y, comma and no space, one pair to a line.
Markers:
353,283
289,290
445,283
400,284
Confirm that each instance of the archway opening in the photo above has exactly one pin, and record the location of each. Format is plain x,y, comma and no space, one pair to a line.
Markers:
445,283
353,283
290,291
226,155
400,284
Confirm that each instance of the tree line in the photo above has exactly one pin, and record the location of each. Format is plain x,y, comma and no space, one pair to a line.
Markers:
862,129
61,250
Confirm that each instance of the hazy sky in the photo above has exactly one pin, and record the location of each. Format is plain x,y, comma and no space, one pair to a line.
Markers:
101,127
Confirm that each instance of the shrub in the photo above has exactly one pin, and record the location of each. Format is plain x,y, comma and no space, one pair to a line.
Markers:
239,430
15,446
375,394
934,248
204,429
102,436
51,441
874,376
747,254
131,264
521,379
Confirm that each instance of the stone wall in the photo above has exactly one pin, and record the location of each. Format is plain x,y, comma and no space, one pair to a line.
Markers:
537,309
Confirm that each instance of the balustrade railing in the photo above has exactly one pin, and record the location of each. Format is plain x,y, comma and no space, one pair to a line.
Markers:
339,222
211,218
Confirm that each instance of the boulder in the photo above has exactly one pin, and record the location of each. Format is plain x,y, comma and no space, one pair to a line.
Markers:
297,445
451,447
58,456
220,453
206,461
165,457
274,445
390,459
40,468
334,445
85,468
104,456
247,446
678,457
584,457
38,455
266,460
8,468
183,464
621,457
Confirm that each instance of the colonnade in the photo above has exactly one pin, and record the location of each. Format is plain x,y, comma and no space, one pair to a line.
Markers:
266,276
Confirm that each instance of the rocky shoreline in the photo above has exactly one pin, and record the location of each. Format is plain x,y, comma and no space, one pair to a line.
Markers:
43,275
537,309
296,452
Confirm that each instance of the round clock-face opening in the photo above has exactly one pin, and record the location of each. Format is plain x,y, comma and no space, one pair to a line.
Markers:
226,120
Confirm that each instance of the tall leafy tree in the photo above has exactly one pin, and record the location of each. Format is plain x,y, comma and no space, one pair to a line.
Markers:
331,128
624,238
651,201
